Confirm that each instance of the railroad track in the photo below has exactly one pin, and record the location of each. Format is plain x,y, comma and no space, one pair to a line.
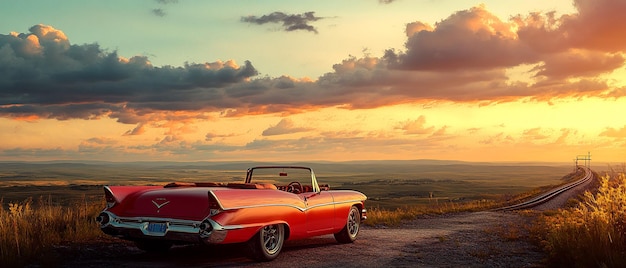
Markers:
540,199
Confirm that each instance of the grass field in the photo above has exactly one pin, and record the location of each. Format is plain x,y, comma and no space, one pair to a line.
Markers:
47,204
388,184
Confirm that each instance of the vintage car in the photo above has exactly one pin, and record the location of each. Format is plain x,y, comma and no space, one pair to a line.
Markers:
272,204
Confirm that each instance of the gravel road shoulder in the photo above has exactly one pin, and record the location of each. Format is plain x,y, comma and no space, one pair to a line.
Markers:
478,239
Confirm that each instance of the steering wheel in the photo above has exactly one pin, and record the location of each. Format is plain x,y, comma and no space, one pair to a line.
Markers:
294,187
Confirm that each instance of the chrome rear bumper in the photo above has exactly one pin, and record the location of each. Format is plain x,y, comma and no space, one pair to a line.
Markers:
207,231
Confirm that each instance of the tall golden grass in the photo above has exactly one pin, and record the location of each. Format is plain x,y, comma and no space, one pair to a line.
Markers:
592,232
29,229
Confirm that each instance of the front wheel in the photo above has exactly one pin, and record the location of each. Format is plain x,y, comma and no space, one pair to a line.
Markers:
351,230
267,243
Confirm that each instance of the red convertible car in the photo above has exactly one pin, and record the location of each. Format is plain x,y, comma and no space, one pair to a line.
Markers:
273,204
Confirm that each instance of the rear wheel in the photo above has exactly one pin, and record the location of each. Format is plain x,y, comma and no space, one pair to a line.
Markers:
267,243
153,245
349,232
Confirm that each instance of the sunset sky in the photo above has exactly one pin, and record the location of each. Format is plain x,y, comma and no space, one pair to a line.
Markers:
191,80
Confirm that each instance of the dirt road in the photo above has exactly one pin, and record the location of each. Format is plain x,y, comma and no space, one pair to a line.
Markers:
480,239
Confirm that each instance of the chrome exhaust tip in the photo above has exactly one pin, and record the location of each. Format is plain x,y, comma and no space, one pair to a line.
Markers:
205,228
103,218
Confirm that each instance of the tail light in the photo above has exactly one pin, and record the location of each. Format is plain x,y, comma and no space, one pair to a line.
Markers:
214,208
110,199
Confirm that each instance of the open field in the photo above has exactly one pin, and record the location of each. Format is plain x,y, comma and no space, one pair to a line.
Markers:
47,206
388,184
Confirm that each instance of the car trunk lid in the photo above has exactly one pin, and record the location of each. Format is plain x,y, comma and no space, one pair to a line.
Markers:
189,203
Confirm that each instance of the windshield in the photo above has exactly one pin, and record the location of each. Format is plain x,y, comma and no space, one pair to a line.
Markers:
283,176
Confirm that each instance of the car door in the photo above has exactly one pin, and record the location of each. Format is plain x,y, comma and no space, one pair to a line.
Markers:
320,212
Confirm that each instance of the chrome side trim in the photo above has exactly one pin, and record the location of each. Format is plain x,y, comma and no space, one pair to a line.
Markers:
294,206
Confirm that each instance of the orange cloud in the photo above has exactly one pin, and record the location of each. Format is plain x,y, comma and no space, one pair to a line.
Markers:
27,118
565,133
614,132
285,126
138,130
417,126
534,134
469,39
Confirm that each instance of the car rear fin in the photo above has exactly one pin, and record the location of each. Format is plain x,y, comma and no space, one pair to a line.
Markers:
109,197
213,202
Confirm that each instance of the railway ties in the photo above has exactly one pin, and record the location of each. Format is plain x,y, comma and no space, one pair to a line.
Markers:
545,197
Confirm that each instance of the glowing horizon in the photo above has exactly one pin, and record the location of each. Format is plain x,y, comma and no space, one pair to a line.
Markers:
470,85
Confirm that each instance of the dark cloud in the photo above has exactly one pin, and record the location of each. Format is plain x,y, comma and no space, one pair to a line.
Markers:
290,22
588,43
159,12
463,58
469,39
42,74
572,64
94,110
598,25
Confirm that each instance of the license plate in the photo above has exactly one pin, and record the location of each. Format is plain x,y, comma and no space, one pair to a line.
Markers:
157,228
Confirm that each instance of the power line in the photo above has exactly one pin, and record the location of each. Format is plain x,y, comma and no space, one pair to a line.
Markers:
586,158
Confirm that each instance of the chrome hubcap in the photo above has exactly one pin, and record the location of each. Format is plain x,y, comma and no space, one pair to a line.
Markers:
353,223
271,238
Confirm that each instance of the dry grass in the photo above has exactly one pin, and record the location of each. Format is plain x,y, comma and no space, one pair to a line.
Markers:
29,229
591,233
509,232
383,217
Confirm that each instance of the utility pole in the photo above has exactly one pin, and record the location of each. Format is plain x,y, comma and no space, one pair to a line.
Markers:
586,158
